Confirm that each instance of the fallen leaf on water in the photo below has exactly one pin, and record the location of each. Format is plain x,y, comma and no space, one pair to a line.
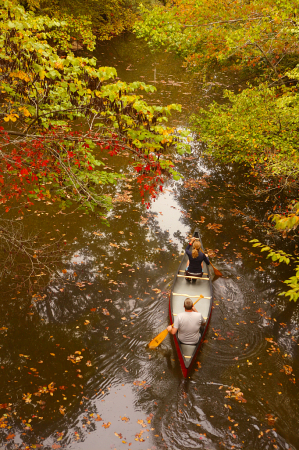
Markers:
106,425
125,419
141,423
10,436
288,370
125,369
139,383
93,309
215,227
99,418
271,419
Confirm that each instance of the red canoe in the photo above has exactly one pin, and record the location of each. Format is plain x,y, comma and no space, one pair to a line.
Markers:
179,291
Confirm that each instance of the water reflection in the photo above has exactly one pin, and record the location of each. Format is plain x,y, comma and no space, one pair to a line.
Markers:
87,332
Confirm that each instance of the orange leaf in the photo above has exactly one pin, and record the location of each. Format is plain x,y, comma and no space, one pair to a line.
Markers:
10,436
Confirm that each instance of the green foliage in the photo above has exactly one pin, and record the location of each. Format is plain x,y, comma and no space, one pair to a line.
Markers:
106,18
44,95
258,127
282,257
289,222
209,32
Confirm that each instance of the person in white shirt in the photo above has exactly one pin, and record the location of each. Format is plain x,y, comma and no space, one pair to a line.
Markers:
187,324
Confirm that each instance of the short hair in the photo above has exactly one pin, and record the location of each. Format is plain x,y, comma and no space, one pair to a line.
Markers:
188,303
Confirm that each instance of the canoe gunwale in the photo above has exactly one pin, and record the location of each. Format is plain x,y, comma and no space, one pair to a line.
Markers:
186,370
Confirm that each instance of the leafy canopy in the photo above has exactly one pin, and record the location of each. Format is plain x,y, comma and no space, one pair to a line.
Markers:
237,33
281,257
258,126
44,96
106,18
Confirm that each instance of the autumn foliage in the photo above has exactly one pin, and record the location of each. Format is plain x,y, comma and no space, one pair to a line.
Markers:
257,124
45,95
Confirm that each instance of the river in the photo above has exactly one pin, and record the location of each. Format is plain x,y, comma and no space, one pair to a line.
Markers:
75,370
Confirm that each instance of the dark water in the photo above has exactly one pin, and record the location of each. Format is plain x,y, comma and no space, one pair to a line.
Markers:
113,299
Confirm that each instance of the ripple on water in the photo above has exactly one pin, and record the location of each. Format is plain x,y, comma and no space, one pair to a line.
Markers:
234,339
193,415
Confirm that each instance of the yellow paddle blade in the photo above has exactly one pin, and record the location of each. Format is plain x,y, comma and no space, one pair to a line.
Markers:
158,339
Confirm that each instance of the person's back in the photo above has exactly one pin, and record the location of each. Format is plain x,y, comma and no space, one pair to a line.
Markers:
196,256
188,326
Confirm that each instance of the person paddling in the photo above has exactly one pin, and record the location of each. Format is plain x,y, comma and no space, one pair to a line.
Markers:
196,258
187,324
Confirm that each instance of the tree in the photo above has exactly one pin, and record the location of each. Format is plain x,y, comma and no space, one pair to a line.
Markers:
258,126
106,18
234,34
44,94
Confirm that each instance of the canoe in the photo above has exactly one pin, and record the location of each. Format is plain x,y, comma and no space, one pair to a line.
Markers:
179,291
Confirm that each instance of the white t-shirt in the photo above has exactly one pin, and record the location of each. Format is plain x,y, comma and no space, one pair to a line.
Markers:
188,324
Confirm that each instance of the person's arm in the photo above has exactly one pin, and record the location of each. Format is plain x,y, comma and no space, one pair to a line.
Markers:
190,245
194,309
171,329
189,253
206,259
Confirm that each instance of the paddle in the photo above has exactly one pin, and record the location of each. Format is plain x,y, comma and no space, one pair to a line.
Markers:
216,271
161,336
